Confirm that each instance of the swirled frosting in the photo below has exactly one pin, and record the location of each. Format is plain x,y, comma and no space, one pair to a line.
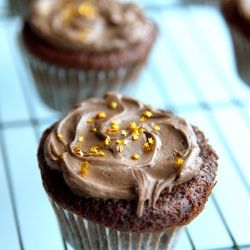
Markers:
244,9
89,25
119,148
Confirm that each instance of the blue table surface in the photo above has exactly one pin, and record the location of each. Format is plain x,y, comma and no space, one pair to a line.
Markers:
191,71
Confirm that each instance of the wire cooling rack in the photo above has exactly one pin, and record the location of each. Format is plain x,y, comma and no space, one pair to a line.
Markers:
191,71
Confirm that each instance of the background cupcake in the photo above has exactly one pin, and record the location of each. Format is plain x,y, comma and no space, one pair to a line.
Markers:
237,16
77,49
121,173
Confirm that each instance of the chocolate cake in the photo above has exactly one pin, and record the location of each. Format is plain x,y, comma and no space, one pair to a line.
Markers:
126,166
82,48
237,17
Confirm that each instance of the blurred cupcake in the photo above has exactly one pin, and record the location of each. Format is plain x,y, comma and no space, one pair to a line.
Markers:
123,175
237,16
78,49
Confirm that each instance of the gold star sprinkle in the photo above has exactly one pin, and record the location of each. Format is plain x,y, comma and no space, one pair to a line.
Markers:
60,136
156,127
101,153
135,156
120,148
94,130
93,150
147,114
179,161
118,141
77,148
136,137
81,139
87,10
133,127
125,141
150,141
113,105
141,130
115,126
146,147
107,141
143,119
124,132
101,115
61,155
89,120
84,168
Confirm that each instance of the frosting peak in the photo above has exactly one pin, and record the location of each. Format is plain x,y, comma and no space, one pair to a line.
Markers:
119,148
89,25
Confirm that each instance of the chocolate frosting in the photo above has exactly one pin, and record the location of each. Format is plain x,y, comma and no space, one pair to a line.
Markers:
119,148
89,25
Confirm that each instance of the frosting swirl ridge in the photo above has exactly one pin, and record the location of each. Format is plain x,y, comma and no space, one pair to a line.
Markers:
89,25
119,148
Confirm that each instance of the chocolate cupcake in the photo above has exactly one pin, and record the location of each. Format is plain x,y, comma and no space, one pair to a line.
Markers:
83,48
237,16
121,173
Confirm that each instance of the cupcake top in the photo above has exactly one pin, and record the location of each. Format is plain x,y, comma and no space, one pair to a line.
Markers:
244,9
89,25
119,148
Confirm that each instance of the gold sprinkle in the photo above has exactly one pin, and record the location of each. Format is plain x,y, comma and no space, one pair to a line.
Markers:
150,141
62,155
120,148
124,132
101,115
60,136
90,120
147,114
125,141
93,129
81,139
156,127
113,105
87,10
141,130
136,137
118,141
133,127
101,153
93,149
143,119
115,126
84,168
76,148
135,156
107,130
146,147
107,141
179,161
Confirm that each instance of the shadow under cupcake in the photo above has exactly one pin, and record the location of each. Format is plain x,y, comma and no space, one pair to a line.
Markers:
77,49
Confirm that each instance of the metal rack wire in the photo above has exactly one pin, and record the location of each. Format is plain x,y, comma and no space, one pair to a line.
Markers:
191,72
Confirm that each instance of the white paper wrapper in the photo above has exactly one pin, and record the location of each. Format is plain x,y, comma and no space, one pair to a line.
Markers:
83,234
242,54
61,88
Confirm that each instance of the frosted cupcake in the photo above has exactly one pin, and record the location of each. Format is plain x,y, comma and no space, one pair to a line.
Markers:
83,48
123,174
237,16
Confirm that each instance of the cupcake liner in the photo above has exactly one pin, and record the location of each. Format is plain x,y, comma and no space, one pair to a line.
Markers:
242,54
83,234
60,87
